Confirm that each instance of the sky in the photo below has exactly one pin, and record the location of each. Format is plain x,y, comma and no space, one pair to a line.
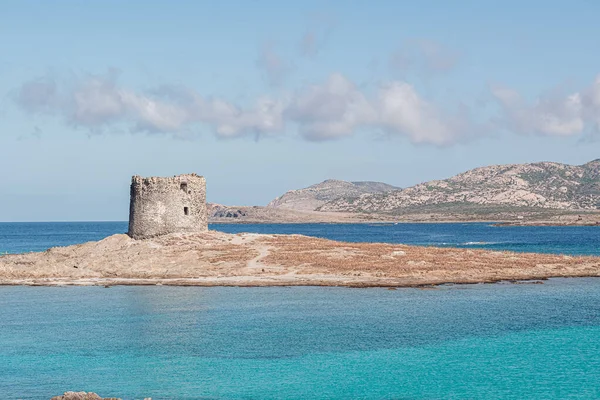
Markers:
264,96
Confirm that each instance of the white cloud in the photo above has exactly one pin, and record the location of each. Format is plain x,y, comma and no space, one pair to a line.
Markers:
555,115
404,112
591,104
96,102
230,121
330,110
337,108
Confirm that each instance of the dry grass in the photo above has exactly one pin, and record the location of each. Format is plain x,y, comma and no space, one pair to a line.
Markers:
216,258
311,255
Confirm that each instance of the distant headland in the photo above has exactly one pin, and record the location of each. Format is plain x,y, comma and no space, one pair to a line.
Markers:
544,193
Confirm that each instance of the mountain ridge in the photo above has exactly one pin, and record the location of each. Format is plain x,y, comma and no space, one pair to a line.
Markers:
546,185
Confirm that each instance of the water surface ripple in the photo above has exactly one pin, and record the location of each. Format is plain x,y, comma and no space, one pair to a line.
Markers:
459,341
453,342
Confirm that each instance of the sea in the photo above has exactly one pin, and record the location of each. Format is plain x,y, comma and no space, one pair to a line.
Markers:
482,341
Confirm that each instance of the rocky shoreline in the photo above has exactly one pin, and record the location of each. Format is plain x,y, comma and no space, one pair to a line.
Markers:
219,259
85,396
220,214
589,219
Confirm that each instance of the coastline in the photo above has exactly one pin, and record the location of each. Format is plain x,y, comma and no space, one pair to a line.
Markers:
546,223
507,216
249,283
220,259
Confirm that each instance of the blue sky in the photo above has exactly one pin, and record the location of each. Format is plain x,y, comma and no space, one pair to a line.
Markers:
265,96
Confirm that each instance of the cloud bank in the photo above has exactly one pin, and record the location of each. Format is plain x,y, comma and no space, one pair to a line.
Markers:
329,110
98,102
550,115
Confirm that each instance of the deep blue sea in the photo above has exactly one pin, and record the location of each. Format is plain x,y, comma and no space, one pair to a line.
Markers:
38,236
499,341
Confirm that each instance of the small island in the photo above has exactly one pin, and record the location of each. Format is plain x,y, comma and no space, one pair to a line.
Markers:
169,244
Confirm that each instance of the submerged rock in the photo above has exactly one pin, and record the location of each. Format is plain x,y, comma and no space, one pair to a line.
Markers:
82,396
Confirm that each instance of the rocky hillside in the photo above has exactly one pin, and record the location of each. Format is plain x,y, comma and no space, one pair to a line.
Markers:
315,196
221,211
544,185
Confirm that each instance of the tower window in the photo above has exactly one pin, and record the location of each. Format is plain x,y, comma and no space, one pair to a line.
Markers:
183,186
186,210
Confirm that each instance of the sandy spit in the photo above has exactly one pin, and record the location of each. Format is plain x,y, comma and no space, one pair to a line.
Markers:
220,259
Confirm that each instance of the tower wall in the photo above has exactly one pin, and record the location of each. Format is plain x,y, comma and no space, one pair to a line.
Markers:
159,206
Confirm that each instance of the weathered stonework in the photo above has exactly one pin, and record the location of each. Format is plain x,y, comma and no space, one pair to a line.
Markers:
159,206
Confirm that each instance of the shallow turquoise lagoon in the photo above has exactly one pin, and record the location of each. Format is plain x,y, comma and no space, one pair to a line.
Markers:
499,341
461,341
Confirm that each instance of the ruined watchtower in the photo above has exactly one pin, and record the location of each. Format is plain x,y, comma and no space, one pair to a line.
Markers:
167,205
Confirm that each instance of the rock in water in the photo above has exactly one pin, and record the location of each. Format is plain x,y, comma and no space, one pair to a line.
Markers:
82,396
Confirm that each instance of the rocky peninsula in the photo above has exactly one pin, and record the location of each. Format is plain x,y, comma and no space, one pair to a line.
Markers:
218,259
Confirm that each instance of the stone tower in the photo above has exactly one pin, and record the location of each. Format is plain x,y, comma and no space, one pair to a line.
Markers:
167,205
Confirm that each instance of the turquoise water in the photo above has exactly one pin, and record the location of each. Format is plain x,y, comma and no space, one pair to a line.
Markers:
23,237
454,342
